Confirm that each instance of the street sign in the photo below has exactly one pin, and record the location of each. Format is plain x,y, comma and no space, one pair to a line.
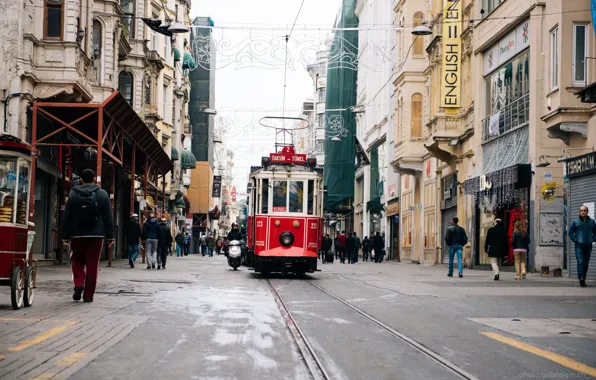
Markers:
288,156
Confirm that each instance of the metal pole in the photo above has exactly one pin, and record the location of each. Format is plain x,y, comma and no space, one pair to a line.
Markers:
145,199
163,195
99,144
112,196
33,165
132,178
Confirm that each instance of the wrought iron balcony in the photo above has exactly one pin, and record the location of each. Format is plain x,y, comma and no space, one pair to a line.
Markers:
513,116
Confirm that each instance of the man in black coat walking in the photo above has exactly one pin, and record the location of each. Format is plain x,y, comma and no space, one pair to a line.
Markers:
496,245
133,235
378,246
164,243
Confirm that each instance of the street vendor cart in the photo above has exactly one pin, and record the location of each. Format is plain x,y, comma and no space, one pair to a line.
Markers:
17,268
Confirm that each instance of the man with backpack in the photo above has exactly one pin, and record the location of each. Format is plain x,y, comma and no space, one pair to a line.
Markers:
455,238
164,243
87,223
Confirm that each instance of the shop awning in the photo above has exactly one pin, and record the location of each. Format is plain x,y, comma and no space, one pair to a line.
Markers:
176,55
187,160
175,156
519,175
188,62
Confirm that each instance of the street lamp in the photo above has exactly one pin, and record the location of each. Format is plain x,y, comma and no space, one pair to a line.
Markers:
422,30
166,28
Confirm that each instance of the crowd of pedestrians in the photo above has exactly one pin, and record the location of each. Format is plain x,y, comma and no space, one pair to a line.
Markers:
346,248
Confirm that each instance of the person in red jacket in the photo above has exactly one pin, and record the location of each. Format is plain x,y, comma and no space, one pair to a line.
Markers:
342,240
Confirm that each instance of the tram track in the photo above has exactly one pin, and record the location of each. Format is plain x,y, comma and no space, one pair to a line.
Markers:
315,364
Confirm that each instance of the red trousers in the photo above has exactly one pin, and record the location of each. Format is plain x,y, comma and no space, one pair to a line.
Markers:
85,253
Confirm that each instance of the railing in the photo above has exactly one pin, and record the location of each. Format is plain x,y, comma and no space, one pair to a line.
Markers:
508,118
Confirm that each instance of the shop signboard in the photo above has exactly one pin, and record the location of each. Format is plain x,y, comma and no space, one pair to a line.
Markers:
508,47
216,192
452,52
582,165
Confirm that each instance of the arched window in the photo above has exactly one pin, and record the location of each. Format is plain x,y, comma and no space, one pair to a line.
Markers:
417,115
97,50
418,48
125,81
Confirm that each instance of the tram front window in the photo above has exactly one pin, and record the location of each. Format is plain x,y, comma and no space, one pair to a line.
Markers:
311,192
296,196
265,201
280,199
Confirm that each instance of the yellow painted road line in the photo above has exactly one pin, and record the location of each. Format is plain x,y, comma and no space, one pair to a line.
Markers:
44,376
72,359
43,337
557,358
22,319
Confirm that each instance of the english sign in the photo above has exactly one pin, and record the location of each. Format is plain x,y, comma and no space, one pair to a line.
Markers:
451,72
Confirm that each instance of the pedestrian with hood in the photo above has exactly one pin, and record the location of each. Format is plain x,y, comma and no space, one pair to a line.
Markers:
336,247
87,223
179,244
210,244
203,245
133,235
520,241
356,247
187,241
456,238
379,247
496,245
583,233
349,251
365,248
151,240
164,243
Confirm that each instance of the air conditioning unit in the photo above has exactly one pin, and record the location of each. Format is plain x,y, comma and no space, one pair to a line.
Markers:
447,194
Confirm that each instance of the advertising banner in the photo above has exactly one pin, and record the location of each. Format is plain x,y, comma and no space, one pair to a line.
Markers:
216,192
452,51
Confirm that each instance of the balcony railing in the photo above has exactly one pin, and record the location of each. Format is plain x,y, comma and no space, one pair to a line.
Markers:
507,119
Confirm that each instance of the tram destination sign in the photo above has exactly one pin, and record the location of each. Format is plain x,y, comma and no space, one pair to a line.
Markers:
582,165
288,156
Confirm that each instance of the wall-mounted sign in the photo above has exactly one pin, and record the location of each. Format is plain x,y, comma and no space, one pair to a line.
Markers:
288,156
451,72
581,165
216,192
509,46
485,184
321,82
392,209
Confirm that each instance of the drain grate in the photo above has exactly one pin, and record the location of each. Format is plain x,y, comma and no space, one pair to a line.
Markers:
163,281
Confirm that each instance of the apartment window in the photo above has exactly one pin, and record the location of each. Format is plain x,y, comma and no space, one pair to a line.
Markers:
580,51
489,6
165,102
125,81
321,120
173,109
166,47
148,90
53,19
128,8
554,59
417,115
322,94
153,41
176,11
97,49
418,48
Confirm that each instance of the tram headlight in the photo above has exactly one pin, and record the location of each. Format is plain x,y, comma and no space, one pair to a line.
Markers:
286,238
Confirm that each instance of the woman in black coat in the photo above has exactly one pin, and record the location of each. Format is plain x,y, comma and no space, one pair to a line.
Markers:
496,245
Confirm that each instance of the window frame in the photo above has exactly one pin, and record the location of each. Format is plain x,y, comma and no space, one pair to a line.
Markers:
554,58
53,4
164,101
418,41
132,86
288,191
586,53
419,119
131,32
99,60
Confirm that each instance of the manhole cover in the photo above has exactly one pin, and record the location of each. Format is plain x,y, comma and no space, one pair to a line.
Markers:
516,320
564,333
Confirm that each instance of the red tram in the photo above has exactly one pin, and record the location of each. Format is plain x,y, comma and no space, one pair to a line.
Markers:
285,214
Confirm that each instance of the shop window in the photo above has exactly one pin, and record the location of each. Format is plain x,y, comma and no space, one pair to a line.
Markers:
53,19
296,196
417,115
418,48
407,231
509,83
280,196
554,59
125,81
580,51
429,230
128,8
97,49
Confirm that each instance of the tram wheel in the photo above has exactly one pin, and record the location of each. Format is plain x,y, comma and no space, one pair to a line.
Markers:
29,286
17,288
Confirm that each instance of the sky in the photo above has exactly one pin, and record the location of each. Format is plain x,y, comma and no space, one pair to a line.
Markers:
249,80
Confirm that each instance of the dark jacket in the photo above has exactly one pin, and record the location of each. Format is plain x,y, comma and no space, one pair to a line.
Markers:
180,239
583,232
103,228
327,243
210,242
165,236
356,242
456,235
235,235
378,244
350,243
365,245
497,242
151,229
518,241
133,232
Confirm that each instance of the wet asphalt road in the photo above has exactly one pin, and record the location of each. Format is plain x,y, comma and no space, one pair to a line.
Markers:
227,325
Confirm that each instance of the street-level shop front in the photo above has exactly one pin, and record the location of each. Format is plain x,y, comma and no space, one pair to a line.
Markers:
392,214
448,211
581,172
504,194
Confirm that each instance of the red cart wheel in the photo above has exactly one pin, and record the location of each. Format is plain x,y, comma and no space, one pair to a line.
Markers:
29,286
17,288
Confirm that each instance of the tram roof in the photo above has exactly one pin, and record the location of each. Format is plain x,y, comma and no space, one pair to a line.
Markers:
284,168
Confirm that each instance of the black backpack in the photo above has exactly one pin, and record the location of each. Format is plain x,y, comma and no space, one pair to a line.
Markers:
86,210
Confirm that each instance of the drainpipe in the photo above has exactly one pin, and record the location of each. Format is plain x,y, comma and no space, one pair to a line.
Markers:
7,100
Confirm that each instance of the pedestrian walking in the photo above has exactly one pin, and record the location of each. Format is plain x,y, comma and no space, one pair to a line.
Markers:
349,248
496,245
133,236
356,247
583,233
520,242
219,245
179,239
203,245
327,244
365,248
379,247
321,254
151,240
187,241
87,223
336,247
164,243
210,241
456,238
342,241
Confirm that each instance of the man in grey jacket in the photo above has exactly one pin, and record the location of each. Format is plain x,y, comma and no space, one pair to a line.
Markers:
87,222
